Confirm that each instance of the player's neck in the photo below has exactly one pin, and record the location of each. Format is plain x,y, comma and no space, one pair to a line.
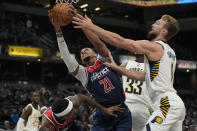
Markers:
35,105
159,38
59,120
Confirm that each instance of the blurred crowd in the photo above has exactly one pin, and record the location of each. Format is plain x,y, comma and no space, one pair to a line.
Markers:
25,30
190,123
16,95
36,31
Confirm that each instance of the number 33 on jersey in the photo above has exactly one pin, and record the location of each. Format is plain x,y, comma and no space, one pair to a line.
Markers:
135,91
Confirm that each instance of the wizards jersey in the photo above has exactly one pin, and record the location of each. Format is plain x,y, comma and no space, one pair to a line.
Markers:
160,74
58,126
104,84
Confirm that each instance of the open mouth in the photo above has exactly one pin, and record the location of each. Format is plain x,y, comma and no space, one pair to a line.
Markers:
87,59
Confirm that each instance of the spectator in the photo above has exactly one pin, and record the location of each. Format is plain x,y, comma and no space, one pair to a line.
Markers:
14,116
5,116
7,125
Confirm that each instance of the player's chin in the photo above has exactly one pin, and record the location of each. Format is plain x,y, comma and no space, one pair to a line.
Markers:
89,64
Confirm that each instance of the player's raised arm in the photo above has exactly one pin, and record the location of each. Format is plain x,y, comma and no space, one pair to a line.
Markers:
152,50
73,66
137,75
94,39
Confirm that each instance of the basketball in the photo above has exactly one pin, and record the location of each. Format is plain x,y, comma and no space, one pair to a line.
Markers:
62,13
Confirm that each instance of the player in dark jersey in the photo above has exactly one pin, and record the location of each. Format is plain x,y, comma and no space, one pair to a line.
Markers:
102,83
62,113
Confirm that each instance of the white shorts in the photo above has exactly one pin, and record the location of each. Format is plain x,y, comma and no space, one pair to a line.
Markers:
168,115
140,114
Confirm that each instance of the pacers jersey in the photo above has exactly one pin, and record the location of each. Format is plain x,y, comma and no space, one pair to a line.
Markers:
160,74
58,126
135,91
33,120
104,84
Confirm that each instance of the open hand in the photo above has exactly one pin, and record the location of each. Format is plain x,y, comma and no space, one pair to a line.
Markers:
112,109
112,63
82,22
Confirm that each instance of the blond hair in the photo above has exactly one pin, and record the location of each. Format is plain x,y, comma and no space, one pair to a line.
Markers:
171,25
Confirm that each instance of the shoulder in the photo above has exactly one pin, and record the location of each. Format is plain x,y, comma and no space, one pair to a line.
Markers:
26,112
102,58
46,124
97,65
28,108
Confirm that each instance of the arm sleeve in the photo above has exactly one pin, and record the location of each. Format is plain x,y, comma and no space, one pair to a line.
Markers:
20,124
68,59
82,75
71,62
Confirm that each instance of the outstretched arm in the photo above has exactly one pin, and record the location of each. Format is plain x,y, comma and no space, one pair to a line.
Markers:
137,75
97,43
150,49
78,99
77,70
94,39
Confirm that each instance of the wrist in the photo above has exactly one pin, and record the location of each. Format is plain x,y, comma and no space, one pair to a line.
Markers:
57,28
58,31
105,109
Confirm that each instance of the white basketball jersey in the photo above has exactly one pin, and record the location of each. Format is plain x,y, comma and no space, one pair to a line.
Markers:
135,91
33,119
160,74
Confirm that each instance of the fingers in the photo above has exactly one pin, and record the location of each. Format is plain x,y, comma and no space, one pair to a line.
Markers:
115,115
77,19
71,6
118,108
77,23
80,16
78,27
87,17
111,58
108,64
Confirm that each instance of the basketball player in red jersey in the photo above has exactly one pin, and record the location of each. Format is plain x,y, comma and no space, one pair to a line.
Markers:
62,113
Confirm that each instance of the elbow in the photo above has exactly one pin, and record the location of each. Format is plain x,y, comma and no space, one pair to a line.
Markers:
142,79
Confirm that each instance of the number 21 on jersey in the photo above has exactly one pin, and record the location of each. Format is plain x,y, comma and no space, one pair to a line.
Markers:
107,84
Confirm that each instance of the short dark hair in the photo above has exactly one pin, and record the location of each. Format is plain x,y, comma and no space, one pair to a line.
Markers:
32,93
60,105
171,25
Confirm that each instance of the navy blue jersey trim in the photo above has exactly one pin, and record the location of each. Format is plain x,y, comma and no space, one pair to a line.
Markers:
148,127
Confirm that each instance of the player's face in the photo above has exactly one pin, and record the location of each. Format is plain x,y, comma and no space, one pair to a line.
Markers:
71,115
88,57
35,97
156,29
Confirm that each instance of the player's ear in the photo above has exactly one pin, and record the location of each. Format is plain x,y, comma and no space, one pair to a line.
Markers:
164,31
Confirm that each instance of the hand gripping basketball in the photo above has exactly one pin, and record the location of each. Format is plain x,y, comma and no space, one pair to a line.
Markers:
62,14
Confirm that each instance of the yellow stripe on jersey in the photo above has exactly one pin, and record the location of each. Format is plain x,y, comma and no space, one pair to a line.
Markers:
154,69
164,106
